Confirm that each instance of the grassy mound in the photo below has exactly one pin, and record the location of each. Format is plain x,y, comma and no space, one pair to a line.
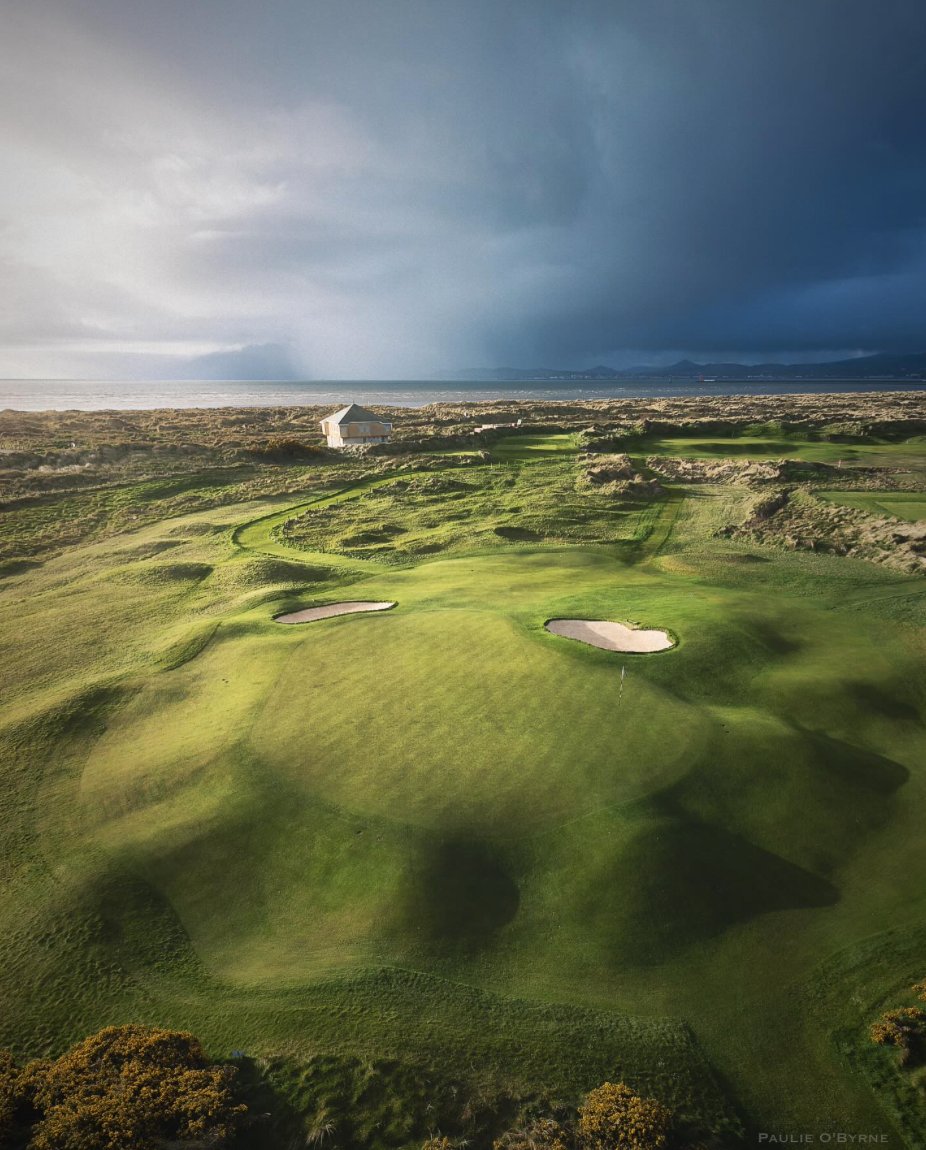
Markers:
458,896
260,572
681,882
153,573
9,568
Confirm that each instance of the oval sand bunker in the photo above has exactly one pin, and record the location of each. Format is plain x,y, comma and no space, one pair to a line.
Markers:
610,636
329,610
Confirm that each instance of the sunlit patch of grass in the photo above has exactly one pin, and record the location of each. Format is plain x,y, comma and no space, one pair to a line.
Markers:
532,447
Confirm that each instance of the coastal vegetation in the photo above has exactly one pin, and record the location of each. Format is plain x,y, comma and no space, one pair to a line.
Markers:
148,1088
129,1086
433,872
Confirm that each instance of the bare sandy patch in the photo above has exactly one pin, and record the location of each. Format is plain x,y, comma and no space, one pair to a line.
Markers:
611,636
329,610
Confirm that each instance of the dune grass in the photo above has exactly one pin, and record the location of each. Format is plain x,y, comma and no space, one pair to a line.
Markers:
440,833
416,515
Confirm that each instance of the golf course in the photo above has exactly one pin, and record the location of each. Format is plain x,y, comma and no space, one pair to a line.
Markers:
431,830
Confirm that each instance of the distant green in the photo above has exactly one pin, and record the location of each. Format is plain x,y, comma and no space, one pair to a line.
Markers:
533,447
909,453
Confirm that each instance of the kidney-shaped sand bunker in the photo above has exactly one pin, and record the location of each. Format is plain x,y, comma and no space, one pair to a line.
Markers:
329,610
611,636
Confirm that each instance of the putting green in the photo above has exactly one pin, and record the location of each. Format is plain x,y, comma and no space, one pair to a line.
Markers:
459,719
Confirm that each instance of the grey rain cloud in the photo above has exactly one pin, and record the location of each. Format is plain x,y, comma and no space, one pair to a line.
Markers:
384,188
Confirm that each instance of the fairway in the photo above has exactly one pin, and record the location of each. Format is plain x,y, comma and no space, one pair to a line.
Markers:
533,447
909,505
262,818
868,453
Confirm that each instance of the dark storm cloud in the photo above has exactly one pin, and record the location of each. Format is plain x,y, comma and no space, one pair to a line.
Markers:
384,188
767,180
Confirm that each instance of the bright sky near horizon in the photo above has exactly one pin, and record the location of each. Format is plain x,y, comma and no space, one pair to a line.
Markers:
387,188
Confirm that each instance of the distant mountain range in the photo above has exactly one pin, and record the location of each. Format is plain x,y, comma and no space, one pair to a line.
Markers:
880,366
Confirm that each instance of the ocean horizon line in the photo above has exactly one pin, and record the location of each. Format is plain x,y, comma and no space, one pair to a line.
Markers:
135,395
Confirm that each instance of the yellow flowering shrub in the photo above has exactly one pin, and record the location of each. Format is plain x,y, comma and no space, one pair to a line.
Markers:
131,1086
614,1117
904,1028
10,1093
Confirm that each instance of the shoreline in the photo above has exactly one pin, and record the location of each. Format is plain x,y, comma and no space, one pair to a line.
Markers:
121,395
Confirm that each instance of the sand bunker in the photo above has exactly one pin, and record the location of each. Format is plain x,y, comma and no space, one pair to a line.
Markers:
329,610
611,636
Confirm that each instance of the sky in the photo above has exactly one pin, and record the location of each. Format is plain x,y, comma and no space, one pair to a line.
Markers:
393,188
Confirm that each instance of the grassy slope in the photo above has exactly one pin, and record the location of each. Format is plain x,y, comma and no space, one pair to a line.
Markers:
234,821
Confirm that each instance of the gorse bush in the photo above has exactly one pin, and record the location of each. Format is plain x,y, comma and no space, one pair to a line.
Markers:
904,1028
128,1086
11,1094
614,1117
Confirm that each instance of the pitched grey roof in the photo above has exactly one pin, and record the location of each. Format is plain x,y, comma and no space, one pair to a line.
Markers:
354,414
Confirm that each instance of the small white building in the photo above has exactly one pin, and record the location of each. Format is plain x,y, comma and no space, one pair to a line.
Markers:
354,426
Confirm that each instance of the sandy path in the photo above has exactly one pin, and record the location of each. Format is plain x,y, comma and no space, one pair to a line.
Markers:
610,636
329,610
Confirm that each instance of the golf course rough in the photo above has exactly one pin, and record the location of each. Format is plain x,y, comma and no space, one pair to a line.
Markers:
611,636
448,837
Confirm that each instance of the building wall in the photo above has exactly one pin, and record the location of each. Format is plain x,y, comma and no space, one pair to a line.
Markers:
355,434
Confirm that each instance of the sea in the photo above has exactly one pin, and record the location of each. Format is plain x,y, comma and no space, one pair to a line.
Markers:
135,395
